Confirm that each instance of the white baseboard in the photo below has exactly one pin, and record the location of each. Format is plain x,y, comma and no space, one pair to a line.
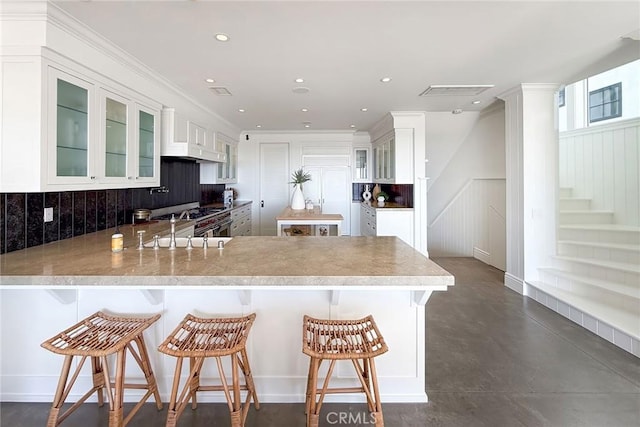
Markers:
481,255
514,283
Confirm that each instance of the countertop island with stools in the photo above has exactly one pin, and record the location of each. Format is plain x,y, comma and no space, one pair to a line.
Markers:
43,289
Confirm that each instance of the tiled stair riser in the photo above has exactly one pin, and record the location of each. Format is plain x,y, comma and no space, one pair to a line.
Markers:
627,236
629,255
599,293
586,217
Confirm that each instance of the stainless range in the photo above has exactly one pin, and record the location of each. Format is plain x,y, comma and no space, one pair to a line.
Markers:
212,222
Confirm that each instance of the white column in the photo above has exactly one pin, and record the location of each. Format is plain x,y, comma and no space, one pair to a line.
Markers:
531,134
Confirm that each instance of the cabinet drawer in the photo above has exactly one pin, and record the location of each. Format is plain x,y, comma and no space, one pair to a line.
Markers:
240,212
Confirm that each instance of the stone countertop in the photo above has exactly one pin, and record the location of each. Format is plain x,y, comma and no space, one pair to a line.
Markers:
245,263
314,214
387,205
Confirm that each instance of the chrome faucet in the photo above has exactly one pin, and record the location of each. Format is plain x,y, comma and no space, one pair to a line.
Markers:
172,239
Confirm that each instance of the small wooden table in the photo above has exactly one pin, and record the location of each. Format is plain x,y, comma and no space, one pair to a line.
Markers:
308,217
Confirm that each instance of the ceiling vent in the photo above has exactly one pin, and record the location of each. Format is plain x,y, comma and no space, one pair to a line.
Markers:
458,90
219,90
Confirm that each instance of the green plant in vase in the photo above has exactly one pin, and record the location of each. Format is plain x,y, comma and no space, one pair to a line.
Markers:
298,178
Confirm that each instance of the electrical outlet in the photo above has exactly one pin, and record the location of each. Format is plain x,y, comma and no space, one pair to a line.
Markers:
48,214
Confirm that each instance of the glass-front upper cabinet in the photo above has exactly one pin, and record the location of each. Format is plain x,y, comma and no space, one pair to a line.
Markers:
361,165
116,137
146,144
71,100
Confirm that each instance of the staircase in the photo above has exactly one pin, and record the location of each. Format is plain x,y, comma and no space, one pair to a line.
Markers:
595,277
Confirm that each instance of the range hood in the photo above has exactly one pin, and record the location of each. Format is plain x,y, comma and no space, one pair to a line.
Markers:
186,139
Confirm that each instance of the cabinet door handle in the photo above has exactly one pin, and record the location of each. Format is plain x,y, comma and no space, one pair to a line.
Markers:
262,203
92,177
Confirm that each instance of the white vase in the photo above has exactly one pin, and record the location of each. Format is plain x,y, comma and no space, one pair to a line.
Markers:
366,195
380,201
297,200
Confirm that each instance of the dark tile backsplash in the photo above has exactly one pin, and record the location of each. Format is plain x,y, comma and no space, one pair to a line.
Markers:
80,212
398,193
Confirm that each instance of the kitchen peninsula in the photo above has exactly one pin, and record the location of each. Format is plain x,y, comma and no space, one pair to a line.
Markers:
279,278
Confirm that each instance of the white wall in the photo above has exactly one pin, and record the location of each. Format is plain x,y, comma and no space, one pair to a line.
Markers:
457,223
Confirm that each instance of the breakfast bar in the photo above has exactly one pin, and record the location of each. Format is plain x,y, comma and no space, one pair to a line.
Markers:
279,278
308,217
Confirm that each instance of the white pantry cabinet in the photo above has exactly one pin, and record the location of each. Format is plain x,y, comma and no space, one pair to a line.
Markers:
182,137
393,157
78,133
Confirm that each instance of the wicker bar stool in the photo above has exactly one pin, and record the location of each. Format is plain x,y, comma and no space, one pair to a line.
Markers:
198,338
356,340
99,336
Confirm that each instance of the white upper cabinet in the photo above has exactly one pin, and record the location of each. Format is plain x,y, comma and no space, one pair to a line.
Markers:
361,164
393,157
182,137
224,171
83,134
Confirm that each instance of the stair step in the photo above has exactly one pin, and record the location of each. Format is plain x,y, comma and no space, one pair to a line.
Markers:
613,265
627,321
606,285
574,203
625,253
610,233
586,217
565,192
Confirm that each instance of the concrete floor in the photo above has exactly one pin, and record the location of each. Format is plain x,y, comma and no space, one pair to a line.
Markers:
494,359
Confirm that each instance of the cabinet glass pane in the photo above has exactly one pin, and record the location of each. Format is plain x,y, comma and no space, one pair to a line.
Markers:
361,164
392,158
233,163
146,146
116,138
71,129
385,161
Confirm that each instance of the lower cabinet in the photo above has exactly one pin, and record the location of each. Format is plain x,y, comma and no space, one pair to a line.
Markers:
241,221
386,222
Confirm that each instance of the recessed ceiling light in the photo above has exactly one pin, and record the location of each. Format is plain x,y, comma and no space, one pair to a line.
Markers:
307,126
476,102
258,126
364,110
304,110
352,126
210,81
221,37
299,80
241,110
385,79
300,89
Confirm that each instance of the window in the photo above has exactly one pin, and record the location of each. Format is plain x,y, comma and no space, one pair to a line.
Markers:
561,98
605,103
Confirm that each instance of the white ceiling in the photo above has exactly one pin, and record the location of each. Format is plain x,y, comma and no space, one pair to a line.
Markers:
343,48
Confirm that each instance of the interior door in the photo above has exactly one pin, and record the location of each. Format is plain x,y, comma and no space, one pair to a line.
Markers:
275,189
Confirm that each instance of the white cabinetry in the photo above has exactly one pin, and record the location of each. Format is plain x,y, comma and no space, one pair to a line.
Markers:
241,221
182,137
225,171
330,189
78,133
393,157
386,222
361,164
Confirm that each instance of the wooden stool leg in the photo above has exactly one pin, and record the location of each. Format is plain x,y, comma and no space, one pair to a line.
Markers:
246,369
145,365
58,399
236,414
172,414
98,379
310,386
194,382
116,410
376,392
312,416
